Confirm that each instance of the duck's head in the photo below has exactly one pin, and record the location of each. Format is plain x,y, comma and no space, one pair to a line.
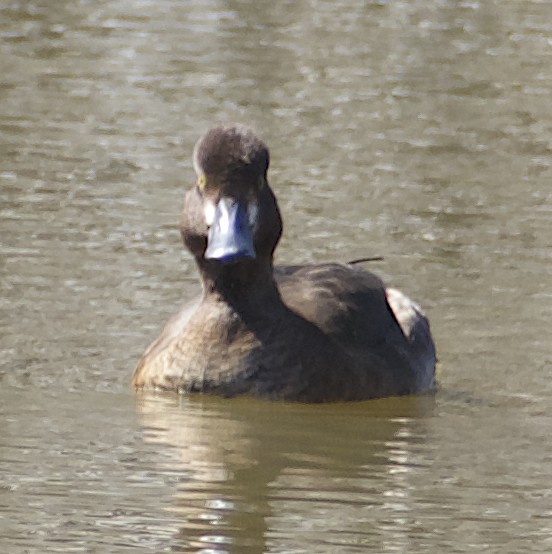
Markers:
231,217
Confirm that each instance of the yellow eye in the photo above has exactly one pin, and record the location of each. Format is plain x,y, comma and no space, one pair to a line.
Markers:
201,181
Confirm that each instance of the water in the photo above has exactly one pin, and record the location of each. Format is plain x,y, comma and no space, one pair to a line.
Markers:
417,131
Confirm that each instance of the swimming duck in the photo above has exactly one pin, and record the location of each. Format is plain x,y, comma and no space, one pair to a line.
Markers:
308,333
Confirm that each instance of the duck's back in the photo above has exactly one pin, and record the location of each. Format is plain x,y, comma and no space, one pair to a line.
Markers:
381,330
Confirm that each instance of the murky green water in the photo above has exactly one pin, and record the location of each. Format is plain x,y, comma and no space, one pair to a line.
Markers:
420,131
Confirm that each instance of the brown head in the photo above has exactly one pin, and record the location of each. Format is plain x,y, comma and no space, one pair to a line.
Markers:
230,221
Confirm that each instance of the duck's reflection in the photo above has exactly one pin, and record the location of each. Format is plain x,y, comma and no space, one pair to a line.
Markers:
255,475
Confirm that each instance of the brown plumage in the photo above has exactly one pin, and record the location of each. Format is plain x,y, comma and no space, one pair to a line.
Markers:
314,333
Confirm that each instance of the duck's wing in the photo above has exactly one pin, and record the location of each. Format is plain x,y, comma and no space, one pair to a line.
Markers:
346,302
376,326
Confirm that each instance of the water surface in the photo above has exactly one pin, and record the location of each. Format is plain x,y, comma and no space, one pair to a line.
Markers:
417,131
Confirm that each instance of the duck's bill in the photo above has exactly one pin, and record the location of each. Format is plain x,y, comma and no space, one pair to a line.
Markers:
230,237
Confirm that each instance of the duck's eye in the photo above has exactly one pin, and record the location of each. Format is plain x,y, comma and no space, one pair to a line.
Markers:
201,182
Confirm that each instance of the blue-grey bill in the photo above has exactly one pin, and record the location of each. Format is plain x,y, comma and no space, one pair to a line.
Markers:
230,237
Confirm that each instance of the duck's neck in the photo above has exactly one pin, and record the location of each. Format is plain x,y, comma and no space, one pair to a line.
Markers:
245,286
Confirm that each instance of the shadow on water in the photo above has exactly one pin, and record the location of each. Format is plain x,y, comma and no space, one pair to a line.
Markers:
254,475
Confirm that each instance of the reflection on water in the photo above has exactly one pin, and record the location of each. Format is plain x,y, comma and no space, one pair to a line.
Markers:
278,477
445,473
419,131
388,476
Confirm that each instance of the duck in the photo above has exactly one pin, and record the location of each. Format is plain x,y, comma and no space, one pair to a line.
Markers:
328,332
